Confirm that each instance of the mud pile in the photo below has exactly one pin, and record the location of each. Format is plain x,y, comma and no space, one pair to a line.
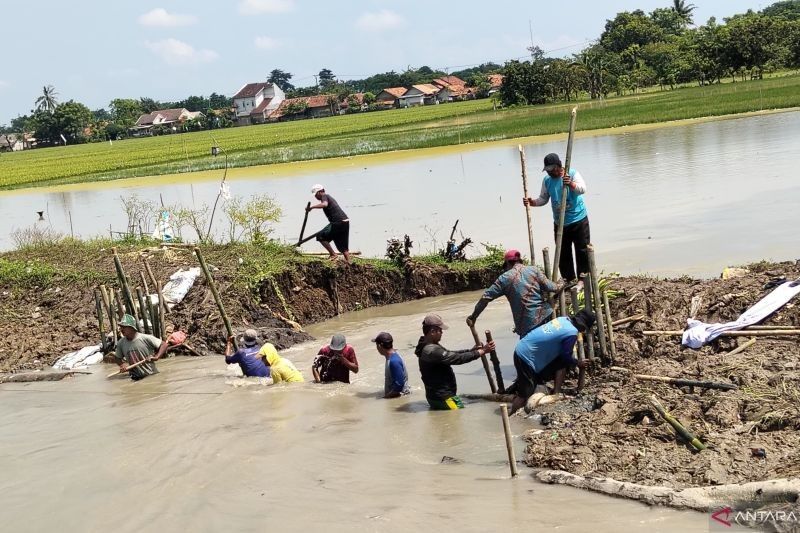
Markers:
611,430
41,322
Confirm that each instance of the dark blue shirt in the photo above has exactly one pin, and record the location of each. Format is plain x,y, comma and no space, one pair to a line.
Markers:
396,376
249,361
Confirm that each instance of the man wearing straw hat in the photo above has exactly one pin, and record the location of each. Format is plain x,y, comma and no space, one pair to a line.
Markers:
576,221
338,228
135,350
247,356
524,287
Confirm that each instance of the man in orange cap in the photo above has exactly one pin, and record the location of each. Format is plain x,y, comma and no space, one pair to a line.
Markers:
524,287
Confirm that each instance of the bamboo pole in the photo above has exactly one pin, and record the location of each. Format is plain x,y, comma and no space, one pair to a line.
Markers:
119,304
741,348
130,367
305,221
143,311
587,304
598,304
154,316
512,460
609,326
678,382
498,373
757,333
162,304
112,318
626,320
525,193
768,328
485,363
144,282
218,300
123,280
100,323
564,191
502,398
573,296
679,428
546,259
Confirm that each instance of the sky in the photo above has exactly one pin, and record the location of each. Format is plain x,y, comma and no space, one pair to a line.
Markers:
93,51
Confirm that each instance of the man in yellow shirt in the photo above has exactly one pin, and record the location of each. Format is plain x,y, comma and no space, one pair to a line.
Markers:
280,369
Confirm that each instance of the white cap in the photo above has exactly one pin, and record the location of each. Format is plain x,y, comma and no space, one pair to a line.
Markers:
316,188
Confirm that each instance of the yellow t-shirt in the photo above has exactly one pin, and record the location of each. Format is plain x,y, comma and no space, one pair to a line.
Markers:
280,369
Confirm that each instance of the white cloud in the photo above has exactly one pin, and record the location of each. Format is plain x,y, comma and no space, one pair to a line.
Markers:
380,21
160,17
175,52
258,7
266,43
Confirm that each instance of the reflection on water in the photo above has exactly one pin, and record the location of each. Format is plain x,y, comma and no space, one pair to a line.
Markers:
186,450
689,199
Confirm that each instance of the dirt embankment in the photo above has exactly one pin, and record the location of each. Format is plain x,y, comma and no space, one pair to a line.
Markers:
611,430
42,321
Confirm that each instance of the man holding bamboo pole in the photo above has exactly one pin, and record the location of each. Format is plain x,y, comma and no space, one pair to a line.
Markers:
576,221
524,287
137,350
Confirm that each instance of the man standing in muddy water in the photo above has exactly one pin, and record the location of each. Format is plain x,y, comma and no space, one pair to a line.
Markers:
335,361
395,374
338,228
524,287
436,365
576,221
135,347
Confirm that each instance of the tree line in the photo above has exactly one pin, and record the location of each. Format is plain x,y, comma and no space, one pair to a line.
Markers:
661,48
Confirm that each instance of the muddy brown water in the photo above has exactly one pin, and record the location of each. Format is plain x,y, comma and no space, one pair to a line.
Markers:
196,448
680,200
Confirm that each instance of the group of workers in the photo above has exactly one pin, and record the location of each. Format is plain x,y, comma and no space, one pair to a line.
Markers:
543,353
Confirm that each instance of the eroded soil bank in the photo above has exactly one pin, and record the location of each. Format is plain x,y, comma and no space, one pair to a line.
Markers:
611,430
47,305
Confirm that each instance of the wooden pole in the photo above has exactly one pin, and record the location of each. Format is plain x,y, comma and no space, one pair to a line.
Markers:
598,304
154,316
119,304
123,280
564,190
485,363
741,348
144,282
217,299
305,221
130,367
546,259
607,309
143,311
162,304
587,304
498,373
678,382
679,428
623,321
112,317
757,333
524,167
512,460
99,308
573,296
768,328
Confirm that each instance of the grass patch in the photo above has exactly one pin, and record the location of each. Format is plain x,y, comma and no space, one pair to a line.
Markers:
366,133
25,274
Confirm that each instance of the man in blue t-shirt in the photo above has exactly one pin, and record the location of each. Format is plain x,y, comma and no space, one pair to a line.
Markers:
250,362
545,353
576,221
395,374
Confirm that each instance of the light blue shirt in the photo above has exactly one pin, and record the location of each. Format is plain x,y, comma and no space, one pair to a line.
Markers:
551,190
541,346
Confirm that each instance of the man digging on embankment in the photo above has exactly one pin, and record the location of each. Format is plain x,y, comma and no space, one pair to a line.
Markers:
436,365
546,353
338,228
524,287
576,221
135,347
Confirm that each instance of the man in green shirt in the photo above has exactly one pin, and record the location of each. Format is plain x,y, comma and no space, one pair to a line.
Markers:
135,350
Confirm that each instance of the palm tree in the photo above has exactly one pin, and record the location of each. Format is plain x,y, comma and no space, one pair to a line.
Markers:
48,101
683,10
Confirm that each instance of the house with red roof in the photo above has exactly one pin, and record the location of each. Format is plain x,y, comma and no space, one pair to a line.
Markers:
319,106
421,94
255,102
388,97
165,118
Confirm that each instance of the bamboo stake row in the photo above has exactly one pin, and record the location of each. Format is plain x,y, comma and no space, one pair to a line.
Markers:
740,333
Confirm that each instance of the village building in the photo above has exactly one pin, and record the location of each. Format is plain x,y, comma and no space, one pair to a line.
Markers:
16,142
389,96
323,105
496,81
255,102
452,89
165,118
421,94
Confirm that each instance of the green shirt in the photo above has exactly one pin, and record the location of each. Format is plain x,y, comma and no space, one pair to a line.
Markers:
141,347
